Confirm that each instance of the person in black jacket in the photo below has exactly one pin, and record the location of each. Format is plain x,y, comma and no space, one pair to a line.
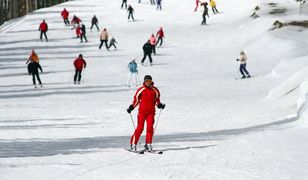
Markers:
83,33
33,70
94,21
130,11
205,13
147,51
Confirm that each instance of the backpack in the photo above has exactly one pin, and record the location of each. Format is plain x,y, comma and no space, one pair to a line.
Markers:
133,67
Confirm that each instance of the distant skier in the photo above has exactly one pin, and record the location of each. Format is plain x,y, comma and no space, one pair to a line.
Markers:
147,51
65,15
197,4
243,60
112,43
147,97
79,64
205,13
153,43
130,11
104,39
160,35
124,2
152,2
83,33
213,5
33,70
94,21
33,57
43,28
133,69
158,5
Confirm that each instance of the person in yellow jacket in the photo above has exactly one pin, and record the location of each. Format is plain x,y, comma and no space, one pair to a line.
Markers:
213,5
33,57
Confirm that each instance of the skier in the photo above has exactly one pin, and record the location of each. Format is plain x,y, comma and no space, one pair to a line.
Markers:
158,5
79,64
83,33
152,2
153,43
133,69
43,28
130,11
147,51
197,4
160,35
205,13
65,15
33,57
243,70
33,70
124,2
147,97
213,5
112,43
104,38
94,21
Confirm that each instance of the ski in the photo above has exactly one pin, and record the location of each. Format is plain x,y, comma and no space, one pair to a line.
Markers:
137,152
154,152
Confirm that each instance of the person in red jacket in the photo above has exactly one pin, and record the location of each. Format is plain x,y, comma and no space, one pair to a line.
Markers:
146,97
43,28
79,64
65,15
160,35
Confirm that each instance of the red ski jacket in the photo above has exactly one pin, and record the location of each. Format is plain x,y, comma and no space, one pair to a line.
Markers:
160,33
43,27
147,98
65,14
79,64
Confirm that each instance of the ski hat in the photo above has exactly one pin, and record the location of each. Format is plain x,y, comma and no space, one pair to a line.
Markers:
147,77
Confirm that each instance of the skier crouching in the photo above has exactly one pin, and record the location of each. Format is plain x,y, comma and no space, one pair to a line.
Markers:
147,97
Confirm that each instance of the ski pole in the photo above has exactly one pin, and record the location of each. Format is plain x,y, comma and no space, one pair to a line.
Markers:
157,121
131,117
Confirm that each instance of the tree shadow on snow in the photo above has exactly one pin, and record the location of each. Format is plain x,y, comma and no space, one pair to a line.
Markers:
42,148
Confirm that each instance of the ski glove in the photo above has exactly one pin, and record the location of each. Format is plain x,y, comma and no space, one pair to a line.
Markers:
161,106
130,108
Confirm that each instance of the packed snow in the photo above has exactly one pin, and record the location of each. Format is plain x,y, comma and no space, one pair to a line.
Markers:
215,125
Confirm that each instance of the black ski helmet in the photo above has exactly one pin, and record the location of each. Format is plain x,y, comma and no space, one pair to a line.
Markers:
147,77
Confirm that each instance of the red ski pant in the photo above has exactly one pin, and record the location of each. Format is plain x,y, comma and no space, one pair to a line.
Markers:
149,118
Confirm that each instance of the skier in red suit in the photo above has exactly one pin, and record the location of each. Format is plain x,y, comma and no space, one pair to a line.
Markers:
147,96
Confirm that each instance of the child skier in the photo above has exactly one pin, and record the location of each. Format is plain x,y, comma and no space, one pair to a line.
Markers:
133,69
112,43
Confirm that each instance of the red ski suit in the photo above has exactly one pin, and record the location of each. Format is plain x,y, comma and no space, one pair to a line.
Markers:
147,98
43,27
79,64
65,14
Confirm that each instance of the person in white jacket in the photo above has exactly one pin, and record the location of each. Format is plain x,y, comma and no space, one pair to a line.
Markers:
104,38
243,60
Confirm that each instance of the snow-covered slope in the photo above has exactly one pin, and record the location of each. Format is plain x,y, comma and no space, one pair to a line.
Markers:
215,126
